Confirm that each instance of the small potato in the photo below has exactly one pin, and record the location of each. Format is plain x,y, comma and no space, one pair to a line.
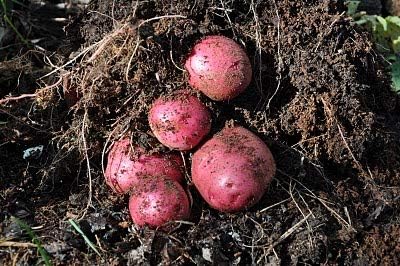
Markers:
126,169
219,68
158,200
179,121
233,169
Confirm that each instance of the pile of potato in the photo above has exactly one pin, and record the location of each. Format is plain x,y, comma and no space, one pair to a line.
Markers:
231,170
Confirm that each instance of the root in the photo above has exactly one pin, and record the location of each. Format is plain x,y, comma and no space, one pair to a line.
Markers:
280,61
287,233
89,174
258,39
324,202
138,41
17,98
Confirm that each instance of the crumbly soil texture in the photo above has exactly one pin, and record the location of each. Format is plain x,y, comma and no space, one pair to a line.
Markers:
320,97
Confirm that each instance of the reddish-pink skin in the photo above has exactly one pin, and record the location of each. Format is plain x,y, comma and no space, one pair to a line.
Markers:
233,169
157,201
219,68
180,122
125,170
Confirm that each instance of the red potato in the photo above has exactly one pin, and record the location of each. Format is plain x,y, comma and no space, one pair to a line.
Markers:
158,200
125,169
233,169
180,121
219,68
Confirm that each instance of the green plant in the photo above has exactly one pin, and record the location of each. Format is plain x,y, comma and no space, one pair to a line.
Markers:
386,34
43,253
6,10
87,240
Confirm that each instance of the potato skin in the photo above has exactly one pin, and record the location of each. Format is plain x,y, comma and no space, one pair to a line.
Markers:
179,121
158,200
219,68
126,169
233,169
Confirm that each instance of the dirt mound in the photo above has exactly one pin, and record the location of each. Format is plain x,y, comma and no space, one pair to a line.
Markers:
320,98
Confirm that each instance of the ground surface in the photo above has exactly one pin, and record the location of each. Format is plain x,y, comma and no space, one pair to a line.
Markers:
320,98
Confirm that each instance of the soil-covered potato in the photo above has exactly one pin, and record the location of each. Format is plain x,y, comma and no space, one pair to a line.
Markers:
233,169
179,121
129,164
219,68
157,201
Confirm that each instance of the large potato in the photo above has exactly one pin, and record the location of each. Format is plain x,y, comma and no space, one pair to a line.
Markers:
179,121
233,169
126,167
158,200
219,68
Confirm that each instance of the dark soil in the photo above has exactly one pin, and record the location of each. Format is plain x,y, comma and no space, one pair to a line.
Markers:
320,98
392,7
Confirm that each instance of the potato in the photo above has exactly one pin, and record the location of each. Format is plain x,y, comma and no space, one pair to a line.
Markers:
219,68
179,121
126,167
233,169
158,200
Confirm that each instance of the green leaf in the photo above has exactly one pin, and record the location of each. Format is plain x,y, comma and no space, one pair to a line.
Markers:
361,21
352,7
87,240
391,57
43,253
383,22
394,20
396,75
396,45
